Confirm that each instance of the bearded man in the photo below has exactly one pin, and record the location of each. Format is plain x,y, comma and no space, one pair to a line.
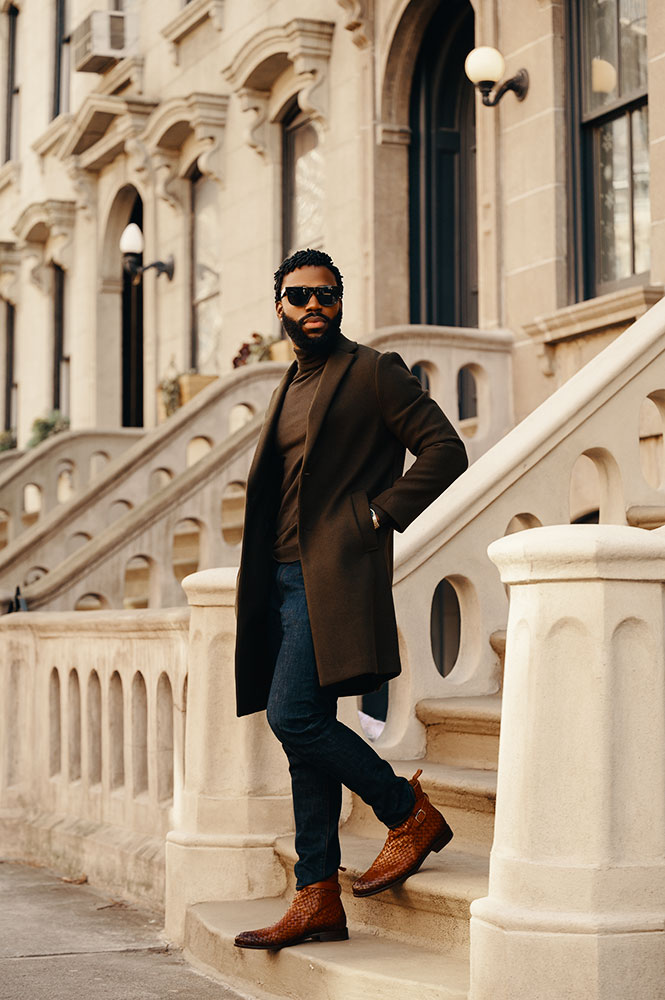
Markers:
316,618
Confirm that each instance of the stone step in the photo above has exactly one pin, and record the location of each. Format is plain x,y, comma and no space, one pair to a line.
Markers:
465,795
430,908
366,966
462,731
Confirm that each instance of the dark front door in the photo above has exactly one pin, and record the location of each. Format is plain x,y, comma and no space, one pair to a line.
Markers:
443,241
132,340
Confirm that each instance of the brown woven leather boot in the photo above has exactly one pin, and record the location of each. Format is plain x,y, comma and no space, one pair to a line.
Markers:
407,846
316,914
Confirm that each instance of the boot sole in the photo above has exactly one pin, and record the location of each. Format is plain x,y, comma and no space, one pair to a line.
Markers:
437,846
342,935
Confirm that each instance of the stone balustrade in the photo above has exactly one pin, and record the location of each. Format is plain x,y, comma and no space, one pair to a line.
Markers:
62,466
467,371
92,742
576,901
146,541
451,607
140,473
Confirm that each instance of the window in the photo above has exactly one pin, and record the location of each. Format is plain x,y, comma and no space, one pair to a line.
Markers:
206,336
610,218
11,92
303,183
10,385
60,361
60,60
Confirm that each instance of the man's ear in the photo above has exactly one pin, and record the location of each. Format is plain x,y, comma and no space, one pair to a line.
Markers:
279,309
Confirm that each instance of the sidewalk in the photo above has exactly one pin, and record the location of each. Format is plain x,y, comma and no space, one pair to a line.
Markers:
60,941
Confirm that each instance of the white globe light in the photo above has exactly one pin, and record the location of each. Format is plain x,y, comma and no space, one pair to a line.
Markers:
603,76
484,64
132,240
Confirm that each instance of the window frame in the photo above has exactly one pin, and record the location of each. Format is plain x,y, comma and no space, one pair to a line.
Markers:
584,131
10,358
12,89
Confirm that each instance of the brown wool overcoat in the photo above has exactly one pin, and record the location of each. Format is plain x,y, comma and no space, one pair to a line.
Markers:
367,410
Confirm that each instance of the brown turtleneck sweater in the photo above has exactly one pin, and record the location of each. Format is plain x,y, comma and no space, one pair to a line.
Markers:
290,440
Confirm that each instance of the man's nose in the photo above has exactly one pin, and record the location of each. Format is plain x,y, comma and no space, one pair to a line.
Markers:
312,302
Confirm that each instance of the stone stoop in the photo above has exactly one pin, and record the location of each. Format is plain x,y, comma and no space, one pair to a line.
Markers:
407,943
463,732
366,966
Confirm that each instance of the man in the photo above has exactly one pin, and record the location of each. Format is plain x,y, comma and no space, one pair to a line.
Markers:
315,610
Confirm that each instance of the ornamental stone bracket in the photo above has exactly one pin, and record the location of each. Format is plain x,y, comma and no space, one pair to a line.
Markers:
45,232
359,21
304,44
102,127
10,267
190,17
184,131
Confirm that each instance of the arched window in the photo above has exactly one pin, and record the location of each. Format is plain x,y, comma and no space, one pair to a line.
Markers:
303,182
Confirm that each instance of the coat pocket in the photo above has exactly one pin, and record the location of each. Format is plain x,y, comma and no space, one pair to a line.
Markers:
360,504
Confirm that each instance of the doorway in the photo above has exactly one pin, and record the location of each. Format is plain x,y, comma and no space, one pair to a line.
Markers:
132,338
442,174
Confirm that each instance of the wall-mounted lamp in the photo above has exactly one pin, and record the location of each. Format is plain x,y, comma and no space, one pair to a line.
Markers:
131,248
485,66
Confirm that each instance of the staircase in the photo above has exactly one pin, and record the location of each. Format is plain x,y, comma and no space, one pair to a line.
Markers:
408,942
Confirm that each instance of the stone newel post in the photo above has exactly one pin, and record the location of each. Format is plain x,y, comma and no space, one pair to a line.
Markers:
236,796
576,903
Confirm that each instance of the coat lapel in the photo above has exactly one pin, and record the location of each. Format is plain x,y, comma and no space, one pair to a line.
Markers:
336,367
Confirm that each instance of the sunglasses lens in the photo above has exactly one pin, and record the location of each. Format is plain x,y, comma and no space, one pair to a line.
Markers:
299,295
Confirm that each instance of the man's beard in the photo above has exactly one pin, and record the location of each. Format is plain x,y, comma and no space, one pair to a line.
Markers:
319,345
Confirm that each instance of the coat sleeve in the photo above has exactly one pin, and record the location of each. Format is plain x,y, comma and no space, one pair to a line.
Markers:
423,428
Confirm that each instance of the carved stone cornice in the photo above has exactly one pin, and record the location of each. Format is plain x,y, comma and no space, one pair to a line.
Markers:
52,138
45,232
359,20
174,123
101,127
127,73
85,187
305,44
10,173
189,18
10,267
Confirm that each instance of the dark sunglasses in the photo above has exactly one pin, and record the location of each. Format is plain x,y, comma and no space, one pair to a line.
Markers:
299,295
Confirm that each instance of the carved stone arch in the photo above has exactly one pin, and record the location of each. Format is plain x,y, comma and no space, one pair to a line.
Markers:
183,130
303,43
45,232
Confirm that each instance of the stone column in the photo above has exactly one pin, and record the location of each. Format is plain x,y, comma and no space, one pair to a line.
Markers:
236,798
576,903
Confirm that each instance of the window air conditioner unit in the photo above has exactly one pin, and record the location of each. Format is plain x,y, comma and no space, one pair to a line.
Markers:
99,41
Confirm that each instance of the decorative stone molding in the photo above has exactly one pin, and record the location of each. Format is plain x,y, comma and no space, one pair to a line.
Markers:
359,20
85,187
10,266
47,222
305,44
173,123
189,18
127,73
9,174
616,310
102,126
392,135
52,138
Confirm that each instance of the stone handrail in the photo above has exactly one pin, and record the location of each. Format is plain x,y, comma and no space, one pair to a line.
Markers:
92,742
524,481
442,352
77,455
136,474
195,495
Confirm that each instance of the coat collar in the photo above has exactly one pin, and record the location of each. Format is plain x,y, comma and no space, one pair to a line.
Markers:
336,366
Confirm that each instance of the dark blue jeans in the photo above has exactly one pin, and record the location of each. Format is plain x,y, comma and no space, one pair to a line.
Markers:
323,753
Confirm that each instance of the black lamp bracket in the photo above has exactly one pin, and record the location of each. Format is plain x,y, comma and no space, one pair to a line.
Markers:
519,84
136,269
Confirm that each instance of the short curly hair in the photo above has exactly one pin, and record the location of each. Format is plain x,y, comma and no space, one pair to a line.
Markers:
306,258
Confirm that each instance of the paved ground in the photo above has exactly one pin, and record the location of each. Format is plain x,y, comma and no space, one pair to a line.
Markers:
60,941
